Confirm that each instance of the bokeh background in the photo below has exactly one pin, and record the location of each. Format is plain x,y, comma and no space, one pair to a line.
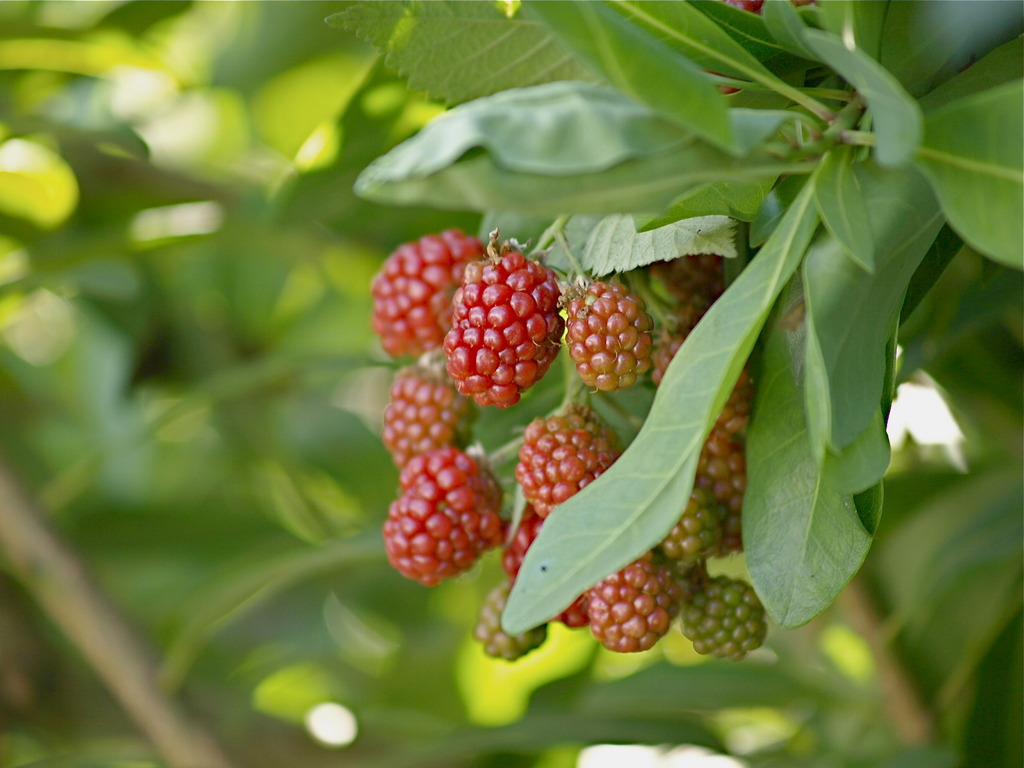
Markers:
191,397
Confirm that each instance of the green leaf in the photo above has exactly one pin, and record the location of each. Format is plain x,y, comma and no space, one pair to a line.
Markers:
615,245
244,586
552,129
802,536
775,206
35,183
869,506
851,313
858,24
626,55
973,154
751,31
621,515
863,462
897,118
697,37
786,25
841,205
925,44
483,52
567,147
738,200
1003,65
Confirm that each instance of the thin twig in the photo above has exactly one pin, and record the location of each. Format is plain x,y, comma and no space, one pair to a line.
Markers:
63,587
902,702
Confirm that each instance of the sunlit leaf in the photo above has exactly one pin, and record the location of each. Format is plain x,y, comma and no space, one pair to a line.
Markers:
35,183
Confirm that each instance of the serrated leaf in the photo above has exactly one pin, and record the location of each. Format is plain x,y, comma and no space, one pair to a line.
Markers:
802,537
897,118
625,55
483,52
614,245
567,147
842,207
630,507
738,200
973,155
851,313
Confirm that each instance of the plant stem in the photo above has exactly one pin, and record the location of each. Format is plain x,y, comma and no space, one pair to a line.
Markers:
62,586
560,239
547,237
857,138
902,702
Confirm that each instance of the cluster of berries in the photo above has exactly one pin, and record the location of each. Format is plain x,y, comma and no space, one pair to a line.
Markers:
486,323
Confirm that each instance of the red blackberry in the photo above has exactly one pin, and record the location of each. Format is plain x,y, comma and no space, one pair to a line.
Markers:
609,335
562,454
512,560
496,641
632,609
412,292
424,412
445,518
722,470
724,617
505,327
698,532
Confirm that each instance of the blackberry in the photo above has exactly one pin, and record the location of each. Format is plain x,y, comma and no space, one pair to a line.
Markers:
695,282
512,560
722,470
496,641
412,292
445,518
562,454
424,412
724,618
698,533
632,609
506,329
608,331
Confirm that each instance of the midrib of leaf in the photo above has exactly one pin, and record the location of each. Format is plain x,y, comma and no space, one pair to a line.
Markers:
969,164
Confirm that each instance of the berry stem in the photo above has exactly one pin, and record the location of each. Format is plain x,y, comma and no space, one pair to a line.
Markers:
573,263
547,237
505,453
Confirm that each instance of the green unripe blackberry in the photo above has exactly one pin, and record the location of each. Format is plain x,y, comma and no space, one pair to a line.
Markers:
724,618
698,532
496,641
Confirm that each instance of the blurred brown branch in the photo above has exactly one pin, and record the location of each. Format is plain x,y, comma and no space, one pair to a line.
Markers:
65,590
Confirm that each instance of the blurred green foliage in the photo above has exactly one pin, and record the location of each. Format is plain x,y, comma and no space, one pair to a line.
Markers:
189,384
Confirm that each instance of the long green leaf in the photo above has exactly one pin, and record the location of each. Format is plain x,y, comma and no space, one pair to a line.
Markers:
802,536
1005,64
850,312
484,51
786,25
640,66
752,32
627,510
737,200
842,207
973,154
897,117
697,37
